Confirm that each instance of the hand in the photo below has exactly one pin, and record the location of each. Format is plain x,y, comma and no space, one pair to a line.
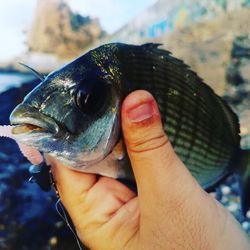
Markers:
171,210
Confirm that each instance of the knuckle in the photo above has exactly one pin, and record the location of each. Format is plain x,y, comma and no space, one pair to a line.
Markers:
148,141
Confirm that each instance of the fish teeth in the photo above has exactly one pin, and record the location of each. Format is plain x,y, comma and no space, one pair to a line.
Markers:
25,128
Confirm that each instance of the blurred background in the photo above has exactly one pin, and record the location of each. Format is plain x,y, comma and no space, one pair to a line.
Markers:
212,36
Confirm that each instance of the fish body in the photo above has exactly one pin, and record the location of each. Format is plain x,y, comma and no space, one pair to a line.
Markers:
74,114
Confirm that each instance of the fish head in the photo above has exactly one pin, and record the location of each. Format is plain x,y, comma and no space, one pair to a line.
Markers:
74,113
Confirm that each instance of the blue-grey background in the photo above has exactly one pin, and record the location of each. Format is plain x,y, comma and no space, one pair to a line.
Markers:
211,36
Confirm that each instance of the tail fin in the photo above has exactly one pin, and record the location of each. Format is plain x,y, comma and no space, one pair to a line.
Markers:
245,180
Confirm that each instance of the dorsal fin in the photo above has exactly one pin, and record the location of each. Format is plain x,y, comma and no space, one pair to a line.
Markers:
151,45
37,74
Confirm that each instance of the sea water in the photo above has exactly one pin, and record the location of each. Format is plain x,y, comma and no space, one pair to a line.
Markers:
13,79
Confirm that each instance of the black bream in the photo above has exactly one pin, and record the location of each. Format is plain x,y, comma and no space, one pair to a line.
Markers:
74,114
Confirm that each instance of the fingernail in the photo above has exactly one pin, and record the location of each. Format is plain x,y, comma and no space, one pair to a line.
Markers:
141,113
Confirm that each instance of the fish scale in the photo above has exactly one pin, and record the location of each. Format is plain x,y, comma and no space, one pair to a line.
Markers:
168,75
169,83
175,105
84,136
165,97
175,112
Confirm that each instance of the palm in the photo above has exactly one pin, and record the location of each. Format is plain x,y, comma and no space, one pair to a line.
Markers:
105,210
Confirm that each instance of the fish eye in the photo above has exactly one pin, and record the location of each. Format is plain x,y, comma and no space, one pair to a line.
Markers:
90,99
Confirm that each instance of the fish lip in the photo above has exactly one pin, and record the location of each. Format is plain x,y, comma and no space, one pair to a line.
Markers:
24,114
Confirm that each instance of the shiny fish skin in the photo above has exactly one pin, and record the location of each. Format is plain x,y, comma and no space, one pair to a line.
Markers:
201,126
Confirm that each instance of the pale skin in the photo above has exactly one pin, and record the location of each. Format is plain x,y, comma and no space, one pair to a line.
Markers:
171,210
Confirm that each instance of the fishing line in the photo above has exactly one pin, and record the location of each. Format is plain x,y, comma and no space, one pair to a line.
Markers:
36,158
64,217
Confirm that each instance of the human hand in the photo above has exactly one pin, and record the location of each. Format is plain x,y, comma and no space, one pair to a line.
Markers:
171,210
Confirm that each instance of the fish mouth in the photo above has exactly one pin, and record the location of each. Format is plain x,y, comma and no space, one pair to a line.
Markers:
27,128
29,120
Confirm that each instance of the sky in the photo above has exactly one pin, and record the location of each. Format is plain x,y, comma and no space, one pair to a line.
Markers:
16,17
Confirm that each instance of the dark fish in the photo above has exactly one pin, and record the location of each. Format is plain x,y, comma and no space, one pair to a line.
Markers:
74,115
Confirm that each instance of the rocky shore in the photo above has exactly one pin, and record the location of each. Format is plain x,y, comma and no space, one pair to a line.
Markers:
28,218
218,50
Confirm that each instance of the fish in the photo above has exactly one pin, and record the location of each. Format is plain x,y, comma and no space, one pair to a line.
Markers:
73,115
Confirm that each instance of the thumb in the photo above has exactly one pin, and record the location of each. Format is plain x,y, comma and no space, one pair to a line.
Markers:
156,167
172,203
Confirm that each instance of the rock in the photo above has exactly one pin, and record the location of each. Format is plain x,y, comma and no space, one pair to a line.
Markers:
225,190
233,207
237,91
248,214
238,70
53,241
245,225
198,32
59,31
28,218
